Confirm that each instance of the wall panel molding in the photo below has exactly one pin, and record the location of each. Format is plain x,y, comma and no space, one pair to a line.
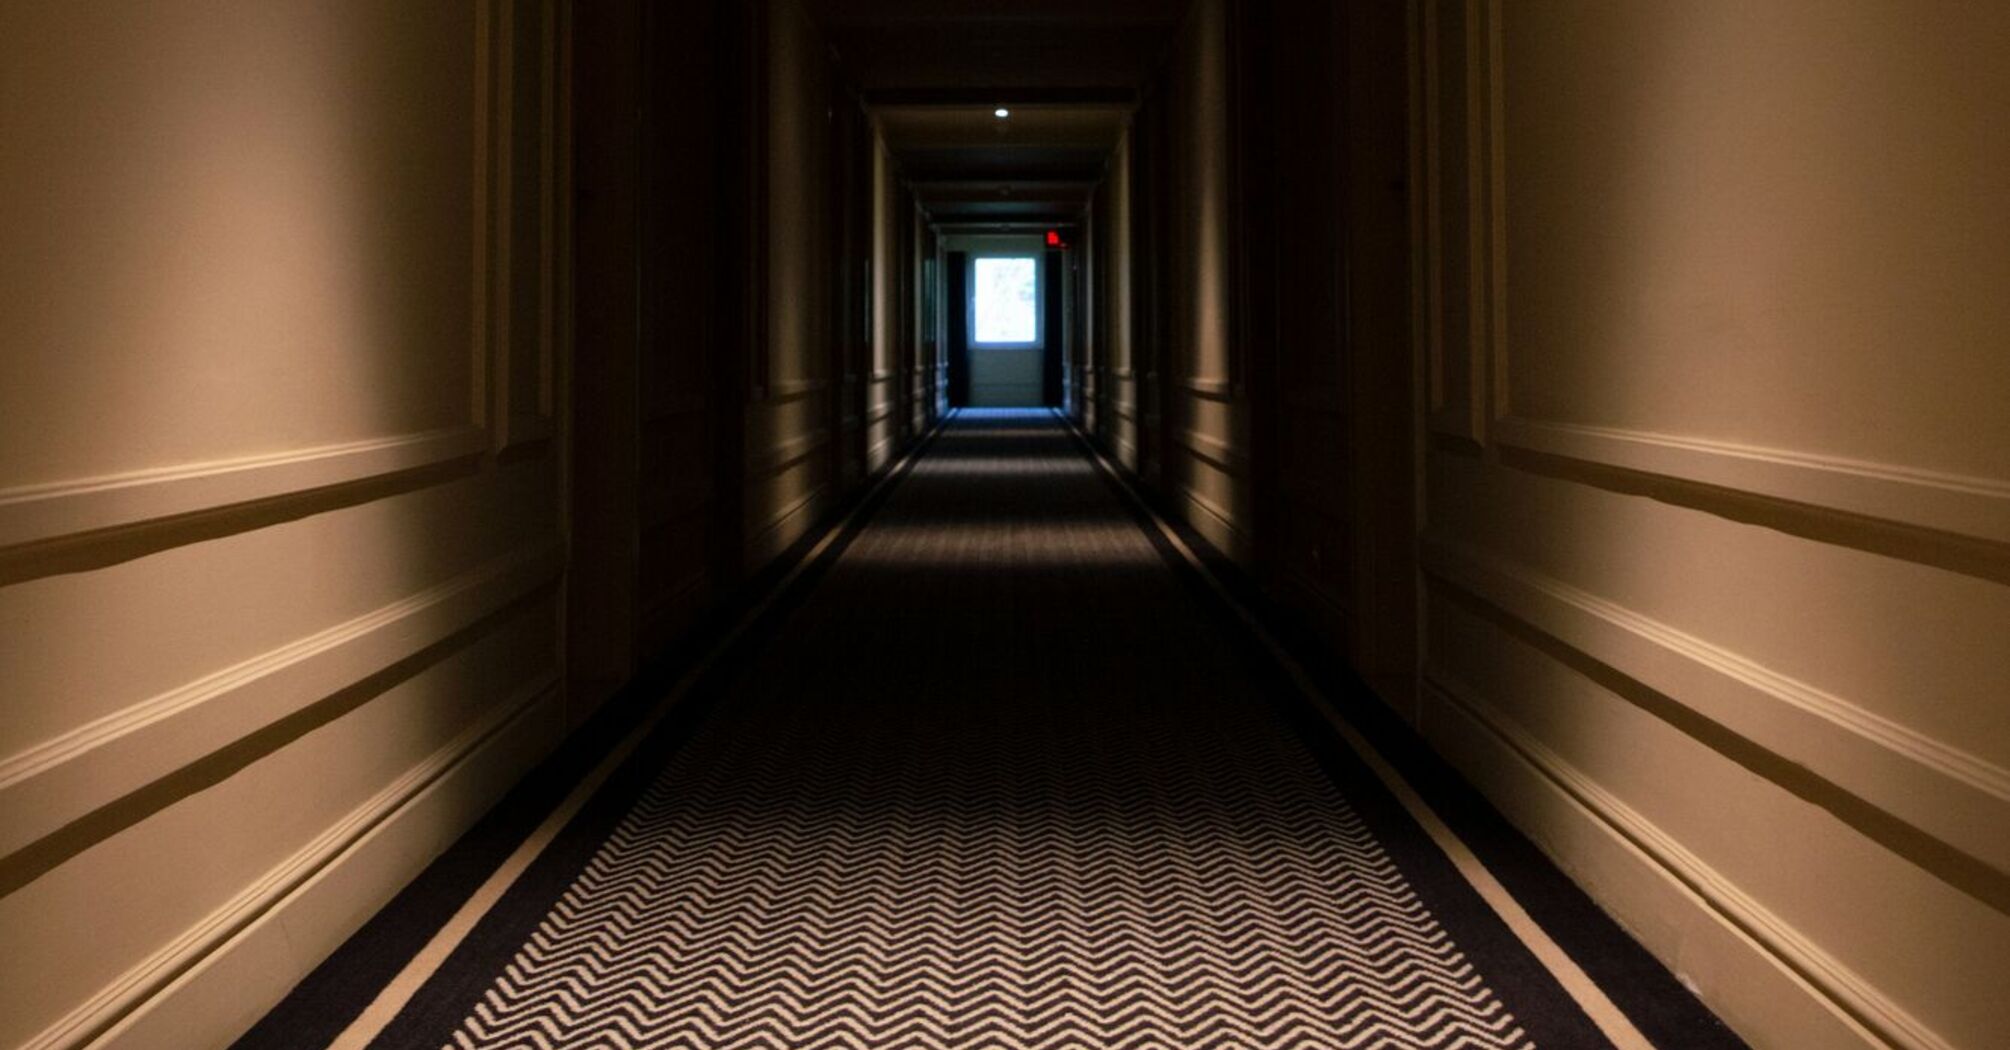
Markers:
1961,505
784,526
1220,454
554,219
518,417
49,511
1214,517
490,181
1212,389
1844,992
40,513
1974,507
162,1001
1427,215
1958,799
765,463
786,390
1478,354
51,786
1492,386
99,784
880,452
1895,794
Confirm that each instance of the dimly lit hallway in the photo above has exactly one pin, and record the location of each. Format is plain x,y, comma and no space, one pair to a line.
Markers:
1566,437
999,777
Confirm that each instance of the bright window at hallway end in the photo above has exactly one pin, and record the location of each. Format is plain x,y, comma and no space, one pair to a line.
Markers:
1007,301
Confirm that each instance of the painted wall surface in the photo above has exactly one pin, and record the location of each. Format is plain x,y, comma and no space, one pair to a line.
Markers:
789,457
1116,382
1168,366
1206,470
279,503
918,269
882,426
1001,378
1718,488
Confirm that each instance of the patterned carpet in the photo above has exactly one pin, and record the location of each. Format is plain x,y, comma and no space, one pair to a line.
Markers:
1000,780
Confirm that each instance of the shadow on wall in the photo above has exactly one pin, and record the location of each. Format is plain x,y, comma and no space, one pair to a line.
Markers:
268,601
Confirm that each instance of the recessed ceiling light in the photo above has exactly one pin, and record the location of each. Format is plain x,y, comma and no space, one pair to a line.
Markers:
1001,112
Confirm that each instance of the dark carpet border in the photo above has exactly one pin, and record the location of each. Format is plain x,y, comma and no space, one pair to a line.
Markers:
446,998
1650,996
330,998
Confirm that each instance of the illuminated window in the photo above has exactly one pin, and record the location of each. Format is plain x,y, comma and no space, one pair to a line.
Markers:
1007,301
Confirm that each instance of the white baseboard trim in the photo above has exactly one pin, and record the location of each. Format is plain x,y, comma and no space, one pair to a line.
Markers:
1773,986
209,985
1950,794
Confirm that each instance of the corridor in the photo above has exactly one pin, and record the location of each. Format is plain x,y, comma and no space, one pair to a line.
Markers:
999,777
1004,524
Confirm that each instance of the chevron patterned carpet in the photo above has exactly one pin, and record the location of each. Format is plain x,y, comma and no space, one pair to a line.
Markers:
998,781
878,877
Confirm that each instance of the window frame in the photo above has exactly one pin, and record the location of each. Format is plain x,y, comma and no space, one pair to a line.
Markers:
1039,340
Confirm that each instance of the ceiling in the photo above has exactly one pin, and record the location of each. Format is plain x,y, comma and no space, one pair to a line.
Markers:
932,71
965,164
916,48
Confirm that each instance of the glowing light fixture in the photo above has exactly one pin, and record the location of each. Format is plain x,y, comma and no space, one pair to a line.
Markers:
1001,112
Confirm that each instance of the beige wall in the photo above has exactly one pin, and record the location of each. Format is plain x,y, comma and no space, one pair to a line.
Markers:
1116,357
1170,361
920,242
275,621
1719,486
882,425
1204,368
1167,371
790,476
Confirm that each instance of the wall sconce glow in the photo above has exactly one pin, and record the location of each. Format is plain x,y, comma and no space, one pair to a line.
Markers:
1001,112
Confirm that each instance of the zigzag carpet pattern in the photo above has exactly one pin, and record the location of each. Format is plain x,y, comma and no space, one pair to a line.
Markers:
998,783
1115,885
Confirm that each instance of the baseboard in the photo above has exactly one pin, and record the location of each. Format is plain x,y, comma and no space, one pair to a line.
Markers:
213,983
1212,521
1869,770
399,915
67,779
1772,987
1747,981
